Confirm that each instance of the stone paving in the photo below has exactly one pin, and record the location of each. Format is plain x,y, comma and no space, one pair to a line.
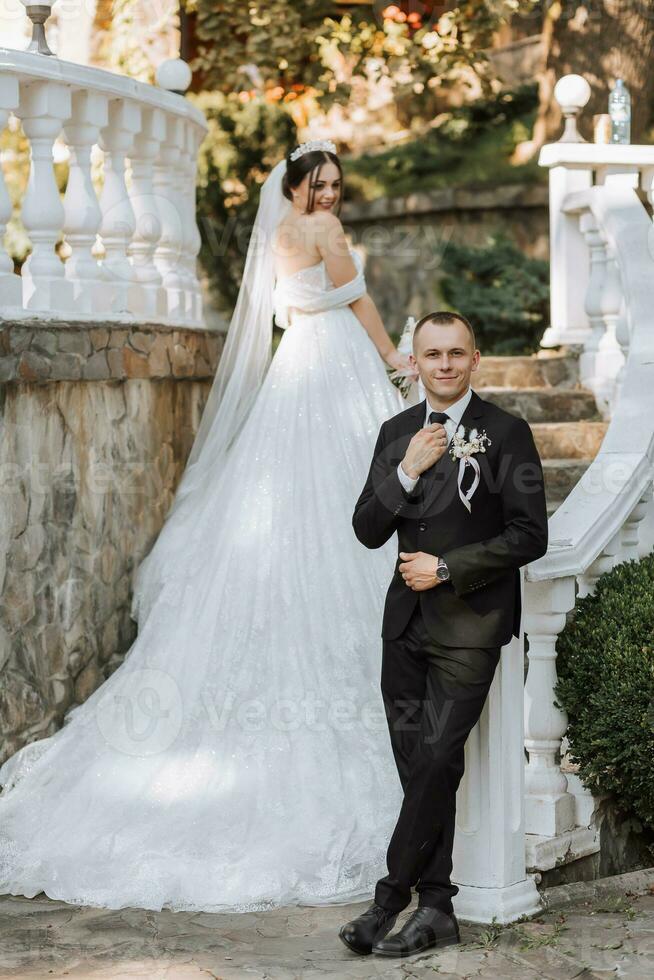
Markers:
597,930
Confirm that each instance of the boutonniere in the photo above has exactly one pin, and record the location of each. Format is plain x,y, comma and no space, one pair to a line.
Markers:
464,450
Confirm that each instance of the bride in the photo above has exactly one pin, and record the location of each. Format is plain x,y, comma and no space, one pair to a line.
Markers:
238,759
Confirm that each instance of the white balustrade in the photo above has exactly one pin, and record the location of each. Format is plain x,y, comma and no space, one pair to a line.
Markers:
583,295
131,253
597,218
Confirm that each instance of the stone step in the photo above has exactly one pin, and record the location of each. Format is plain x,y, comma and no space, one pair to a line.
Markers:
568,440
544,404
561,475
528,371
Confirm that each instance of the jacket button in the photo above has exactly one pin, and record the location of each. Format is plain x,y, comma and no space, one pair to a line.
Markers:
422,526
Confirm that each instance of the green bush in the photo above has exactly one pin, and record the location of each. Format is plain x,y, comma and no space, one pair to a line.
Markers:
504,294
606,685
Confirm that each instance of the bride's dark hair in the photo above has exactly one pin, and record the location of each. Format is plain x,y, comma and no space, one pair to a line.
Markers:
309,163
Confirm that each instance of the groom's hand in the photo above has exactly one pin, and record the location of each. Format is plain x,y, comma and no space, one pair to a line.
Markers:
426,448
419,570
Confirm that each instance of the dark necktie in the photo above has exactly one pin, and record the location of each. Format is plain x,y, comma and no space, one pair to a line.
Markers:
442,417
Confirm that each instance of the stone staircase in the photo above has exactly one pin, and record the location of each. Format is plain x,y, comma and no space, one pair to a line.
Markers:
544,389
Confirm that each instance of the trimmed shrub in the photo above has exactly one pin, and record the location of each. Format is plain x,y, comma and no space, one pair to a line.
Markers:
606,685
503,293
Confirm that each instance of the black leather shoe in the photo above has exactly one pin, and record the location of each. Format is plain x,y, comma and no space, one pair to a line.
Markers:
372,925
427,927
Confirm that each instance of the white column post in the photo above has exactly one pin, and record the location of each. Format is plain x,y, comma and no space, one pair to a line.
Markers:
549,807
11,291
147,297
169,251
489,847
181,182
117,225
44,106
568,261
196,138
81,208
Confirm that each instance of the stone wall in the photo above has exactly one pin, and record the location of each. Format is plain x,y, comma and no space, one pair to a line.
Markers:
403,239
96,425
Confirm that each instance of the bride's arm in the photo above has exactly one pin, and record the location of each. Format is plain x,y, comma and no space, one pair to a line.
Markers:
335,252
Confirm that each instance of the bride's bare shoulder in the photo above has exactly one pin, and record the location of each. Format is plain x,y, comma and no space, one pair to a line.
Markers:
324,230
319,220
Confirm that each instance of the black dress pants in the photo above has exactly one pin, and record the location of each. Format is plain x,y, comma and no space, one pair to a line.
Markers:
433,696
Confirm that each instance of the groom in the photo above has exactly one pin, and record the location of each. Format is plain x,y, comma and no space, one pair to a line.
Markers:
464,529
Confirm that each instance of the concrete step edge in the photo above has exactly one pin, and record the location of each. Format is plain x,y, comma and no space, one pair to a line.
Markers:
631,882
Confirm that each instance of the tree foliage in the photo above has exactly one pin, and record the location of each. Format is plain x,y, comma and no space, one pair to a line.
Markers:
292,45
601,40
247,45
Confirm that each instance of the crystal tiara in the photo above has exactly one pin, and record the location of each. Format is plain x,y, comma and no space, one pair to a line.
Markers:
312,145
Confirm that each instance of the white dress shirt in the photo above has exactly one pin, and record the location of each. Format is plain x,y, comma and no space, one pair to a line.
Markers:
455,411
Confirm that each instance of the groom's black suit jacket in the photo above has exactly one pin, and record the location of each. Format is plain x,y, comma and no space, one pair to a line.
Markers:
507,527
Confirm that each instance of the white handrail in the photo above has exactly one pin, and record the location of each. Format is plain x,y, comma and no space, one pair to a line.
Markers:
623,469
85,78
602,278
144,219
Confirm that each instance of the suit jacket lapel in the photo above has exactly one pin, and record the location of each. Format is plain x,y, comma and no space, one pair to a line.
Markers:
440,475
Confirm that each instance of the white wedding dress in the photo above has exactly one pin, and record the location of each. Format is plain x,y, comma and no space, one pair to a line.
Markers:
239,758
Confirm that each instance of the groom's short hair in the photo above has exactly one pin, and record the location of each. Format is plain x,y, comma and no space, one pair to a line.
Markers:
445,316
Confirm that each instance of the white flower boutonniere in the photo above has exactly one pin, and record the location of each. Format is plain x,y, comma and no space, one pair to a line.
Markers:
464,449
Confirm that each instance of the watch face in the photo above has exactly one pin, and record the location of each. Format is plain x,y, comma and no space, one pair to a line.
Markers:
442,573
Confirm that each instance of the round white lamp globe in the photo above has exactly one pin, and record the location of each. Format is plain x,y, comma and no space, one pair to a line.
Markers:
573,91
174,75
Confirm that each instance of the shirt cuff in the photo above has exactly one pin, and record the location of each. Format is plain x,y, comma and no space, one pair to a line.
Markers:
407,482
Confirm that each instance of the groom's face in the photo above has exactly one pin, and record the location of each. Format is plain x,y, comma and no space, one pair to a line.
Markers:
445,358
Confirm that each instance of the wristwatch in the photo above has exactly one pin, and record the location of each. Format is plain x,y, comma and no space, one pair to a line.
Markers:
442,571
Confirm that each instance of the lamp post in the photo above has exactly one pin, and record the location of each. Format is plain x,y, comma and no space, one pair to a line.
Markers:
38,13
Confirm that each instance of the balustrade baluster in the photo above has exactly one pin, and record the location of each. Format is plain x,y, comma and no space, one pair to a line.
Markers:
118,221
168,254
630,532
82,214
549,807
11,291
44,106
196,137
147,295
